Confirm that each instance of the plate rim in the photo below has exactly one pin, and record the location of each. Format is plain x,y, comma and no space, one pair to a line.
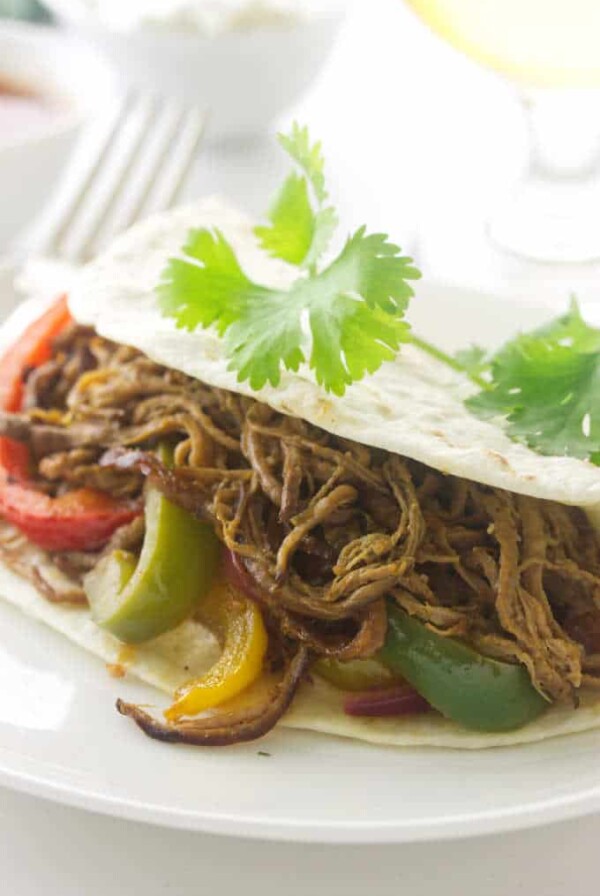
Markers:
456,827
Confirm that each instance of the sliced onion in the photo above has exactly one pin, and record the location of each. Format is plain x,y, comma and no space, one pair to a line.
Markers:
223,729
399,700
238,576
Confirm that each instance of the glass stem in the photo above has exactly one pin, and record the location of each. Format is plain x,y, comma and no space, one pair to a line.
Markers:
564,133
553,213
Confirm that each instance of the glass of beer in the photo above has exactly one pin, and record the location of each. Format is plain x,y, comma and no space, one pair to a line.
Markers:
550,51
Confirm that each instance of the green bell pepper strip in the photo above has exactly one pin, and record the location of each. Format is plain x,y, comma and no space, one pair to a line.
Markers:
473,690
355,675
139,600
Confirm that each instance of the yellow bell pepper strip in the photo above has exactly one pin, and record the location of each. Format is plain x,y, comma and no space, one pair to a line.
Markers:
237,623
231,724
355,675
139,600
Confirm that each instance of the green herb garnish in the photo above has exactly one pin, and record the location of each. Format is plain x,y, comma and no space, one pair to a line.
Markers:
301,225
474,360
547,385
346,318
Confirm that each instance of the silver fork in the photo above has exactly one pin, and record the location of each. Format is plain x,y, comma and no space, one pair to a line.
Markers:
132,165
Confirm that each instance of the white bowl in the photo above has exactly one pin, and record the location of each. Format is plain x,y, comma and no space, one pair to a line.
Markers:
31,164
244,79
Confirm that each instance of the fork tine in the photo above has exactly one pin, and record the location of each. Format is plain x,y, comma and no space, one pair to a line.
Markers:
113,178
163,134
169,185
94,152
166,128
140,164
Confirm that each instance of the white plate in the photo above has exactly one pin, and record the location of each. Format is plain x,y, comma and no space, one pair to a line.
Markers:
61,738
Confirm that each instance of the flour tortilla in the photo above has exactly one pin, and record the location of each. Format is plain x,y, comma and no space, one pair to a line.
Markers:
188,651
412,406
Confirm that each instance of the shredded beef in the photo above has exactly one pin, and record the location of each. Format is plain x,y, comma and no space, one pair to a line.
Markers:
325,529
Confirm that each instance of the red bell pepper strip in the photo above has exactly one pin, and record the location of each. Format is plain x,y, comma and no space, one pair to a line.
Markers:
79,520
31,350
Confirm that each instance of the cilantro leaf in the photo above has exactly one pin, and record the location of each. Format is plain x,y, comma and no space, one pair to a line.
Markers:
350,340
547,386
474,360
209,267
325,223
293,223
309,158
371,267
300,233
266,336
354,309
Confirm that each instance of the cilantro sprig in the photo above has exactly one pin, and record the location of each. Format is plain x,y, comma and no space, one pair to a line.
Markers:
542,386
546,385
344,318
301,222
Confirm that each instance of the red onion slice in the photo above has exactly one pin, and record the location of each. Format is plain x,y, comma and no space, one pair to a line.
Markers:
399,700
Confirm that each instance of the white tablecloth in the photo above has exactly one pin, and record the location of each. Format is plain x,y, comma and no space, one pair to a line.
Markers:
64,852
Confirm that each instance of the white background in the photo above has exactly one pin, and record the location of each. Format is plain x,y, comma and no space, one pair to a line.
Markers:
419,142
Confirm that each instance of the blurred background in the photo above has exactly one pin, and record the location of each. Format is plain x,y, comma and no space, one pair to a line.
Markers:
23,9
451,124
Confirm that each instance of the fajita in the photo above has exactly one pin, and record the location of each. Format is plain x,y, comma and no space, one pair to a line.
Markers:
365,556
